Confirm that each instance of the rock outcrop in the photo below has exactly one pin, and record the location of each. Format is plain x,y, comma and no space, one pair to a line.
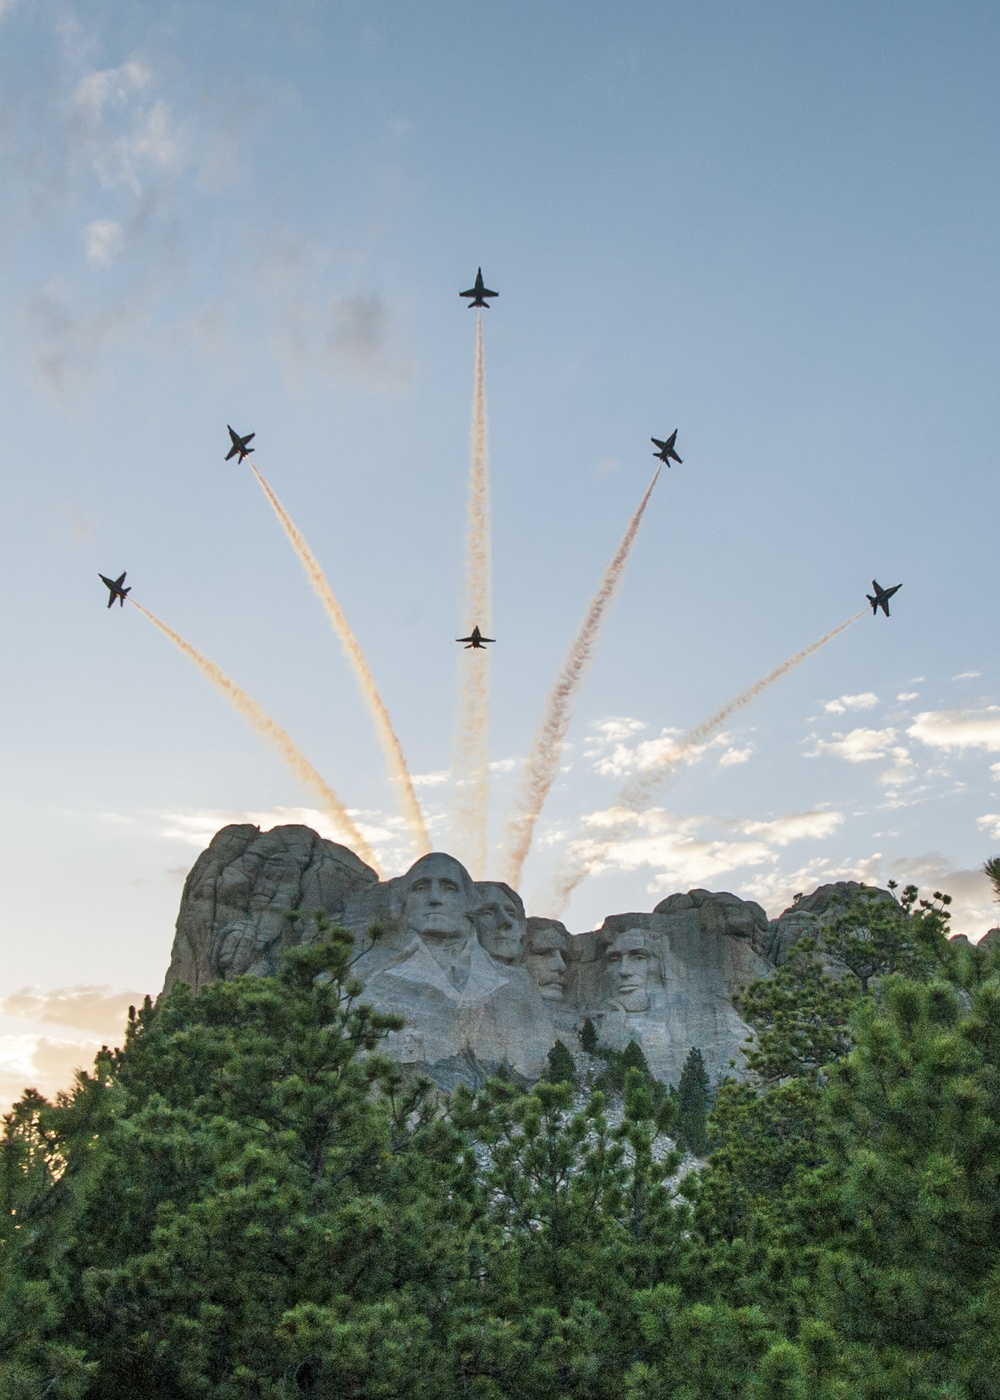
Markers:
807,915
478,984
251,895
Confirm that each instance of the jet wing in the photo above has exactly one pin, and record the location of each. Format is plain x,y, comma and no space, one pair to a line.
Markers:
463,639
231,453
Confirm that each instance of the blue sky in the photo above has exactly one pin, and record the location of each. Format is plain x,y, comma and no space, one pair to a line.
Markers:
770,226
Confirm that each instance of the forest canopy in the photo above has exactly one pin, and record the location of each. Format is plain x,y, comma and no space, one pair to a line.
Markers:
249,1199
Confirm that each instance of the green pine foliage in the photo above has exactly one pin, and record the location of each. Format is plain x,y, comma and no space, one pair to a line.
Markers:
692,1105
588,1037
562,1066
248,1200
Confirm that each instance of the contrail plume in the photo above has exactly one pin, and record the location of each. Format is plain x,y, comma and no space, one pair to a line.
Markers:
471,745
638,793
258,719
543,760
392,750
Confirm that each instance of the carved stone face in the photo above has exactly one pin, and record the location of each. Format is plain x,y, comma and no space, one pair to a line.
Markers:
629,958
546,963
439,899
502,927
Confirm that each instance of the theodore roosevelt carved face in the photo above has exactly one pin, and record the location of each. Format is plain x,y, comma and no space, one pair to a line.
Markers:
546,962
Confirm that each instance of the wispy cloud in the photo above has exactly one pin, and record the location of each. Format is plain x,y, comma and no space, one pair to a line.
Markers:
958,729
387,833
436,779
797,826
348,338
858,746
776,889
866,701
103,239
967,675
67,349
100,1009
41,1062
614,756
685,850
735,756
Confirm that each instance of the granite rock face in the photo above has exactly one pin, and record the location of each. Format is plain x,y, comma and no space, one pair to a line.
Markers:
478,984
806,917
250,895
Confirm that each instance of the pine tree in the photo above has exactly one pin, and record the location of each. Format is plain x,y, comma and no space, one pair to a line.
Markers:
249,1192
588,1037
917,1116
692,1105
562,1066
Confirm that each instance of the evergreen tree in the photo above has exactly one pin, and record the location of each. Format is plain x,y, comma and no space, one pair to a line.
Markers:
692,1105
588,1037
916,1107
875,936
562,1066
249,1196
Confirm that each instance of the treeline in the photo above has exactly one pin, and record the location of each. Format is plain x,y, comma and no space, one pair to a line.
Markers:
248,1200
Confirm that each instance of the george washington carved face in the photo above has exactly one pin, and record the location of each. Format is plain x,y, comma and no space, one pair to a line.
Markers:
438,899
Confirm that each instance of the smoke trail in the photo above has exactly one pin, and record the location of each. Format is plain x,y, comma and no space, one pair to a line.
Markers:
638,793
272,731
543,760
391,747
471,745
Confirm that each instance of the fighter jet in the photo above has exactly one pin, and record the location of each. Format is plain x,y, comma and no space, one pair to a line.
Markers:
666,448
478,292
115,589
881,599
239,445
477,642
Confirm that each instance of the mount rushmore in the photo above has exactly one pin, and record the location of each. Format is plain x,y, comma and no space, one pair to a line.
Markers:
479,984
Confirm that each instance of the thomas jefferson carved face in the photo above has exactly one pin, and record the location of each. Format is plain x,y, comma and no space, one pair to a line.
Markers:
629,958
546,963
439,899
502,928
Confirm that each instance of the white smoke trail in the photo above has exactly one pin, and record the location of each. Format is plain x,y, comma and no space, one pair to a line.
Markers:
471,745
638,793
399,773
543,760
260,720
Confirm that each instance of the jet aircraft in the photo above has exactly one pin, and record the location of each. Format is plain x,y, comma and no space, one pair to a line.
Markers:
478,292
881,599
239,445
666,448
115,589
477,642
